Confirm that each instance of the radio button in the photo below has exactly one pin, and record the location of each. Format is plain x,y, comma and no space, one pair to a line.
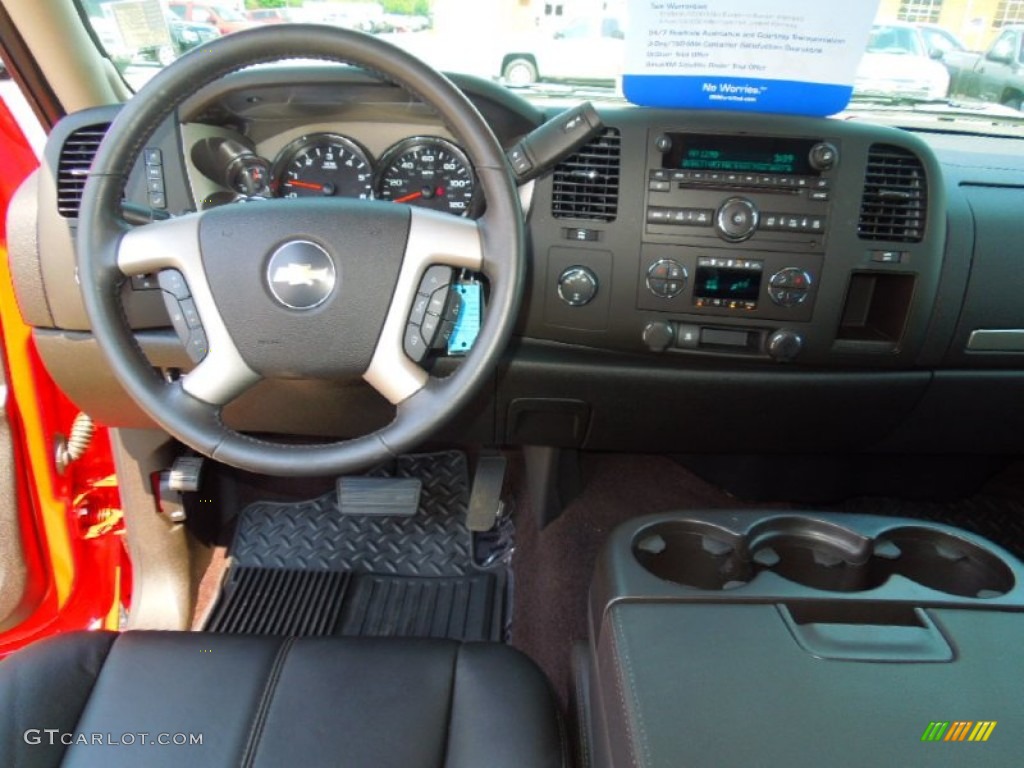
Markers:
681,175
823,156
819,195
659,175
737,219
658,215
660,186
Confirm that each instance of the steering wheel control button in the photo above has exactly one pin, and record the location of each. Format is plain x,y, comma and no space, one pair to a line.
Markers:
172,282
435,277
789,287
737,219
419,309
666,278
577,286
197,346
413,343
301,275
188,308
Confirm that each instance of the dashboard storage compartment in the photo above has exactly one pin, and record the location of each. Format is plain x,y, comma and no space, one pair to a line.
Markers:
782,638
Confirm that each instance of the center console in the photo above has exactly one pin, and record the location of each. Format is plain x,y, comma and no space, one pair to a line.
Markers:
774,638
782,239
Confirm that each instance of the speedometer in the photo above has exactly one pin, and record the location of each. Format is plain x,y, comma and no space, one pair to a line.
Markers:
324,165
428,172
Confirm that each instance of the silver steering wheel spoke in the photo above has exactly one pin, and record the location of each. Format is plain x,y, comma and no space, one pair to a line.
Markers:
434,239
222,374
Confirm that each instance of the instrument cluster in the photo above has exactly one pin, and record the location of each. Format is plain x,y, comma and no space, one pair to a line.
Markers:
425,171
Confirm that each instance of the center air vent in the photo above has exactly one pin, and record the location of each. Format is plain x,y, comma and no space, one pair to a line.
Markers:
586,185
76,158
895,203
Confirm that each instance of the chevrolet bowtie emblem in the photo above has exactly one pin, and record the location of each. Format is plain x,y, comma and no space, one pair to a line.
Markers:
301,274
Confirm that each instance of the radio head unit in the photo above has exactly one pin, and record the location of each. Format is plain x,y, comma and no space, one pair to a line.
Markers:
748,191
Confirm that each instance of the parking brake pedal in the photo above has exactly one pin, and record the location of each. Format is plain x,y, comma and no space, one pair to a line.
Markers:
485,504
182,477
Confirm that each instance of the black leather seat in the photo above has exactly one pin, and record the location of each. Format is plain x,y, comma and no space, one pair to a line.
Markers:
258,701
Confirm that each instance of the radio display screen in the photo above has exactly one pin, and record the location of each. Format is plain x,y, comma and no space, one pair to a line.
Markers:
728,283
739,154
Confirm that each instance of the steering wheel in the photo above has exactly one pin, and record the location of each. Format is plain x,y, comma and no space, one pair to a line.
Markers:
299,288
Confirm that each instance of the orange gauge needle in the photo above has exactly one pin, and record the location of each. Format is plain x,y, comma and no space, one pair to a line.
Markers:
304,185
408,198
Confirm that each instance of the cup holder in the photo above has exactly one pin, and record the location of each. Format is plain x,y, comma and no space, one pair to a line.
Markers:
946,563
819,555
694,554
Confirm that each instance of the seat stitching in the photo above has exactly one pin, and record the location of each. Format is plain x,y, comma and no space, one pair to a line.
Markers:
582,721
619,686
260,719
619,634
563,739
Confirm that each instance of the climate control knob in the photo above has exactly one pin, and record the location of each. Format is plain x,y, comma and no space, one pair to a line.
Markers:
789,287
577,286
737,219
784,346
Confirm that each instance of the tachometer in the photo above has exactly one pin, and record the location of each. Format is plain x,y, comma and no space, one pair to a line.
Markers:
428,172
324,165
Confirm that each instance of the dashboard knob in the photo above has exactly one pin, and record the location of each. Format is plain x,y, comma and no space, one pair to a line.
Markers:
577,286
659,335
784,345
823,156
737,219
663,143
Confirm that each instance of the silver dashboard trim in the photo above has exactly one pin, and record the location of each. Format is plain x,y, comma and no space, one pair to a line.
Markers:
434,238
222,375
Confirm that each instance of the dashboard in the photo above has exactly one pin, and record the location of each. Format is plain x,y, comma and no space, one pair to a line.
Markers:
697,281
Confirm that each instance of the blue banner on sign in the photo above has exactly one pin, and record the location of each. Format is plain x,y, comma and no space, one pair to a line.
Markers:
737,93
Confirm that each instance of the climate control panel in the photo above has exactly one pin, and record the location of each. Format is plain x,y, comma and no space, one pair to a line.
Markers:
758,284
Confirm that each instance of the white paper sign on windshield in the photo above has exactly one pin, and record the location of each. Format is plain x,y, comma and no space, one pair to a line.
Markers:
794,56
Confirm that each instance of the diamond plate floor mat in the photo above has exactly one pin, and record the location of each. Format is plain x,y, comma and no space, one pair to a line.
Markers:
288,602
307,568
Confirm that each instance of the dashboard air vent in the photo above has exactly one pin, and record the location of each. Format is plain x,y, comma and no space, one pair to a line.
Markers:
586,185
895,203
76,158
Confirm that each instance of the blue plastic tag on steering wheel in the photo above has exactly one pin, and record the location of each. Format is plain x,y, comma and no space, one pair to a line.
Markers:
467,327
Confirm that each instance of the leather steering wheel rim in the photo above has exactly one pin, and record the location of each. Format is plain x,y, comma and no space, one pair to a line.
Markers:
103,234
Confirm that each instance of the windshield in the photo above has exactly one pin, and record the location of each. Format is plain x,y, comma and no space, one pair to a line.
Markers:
545,47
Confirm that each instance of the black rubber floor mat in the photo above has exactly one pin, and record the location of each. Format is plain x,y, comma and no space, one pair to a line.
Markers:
308,569
315,535
289,602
